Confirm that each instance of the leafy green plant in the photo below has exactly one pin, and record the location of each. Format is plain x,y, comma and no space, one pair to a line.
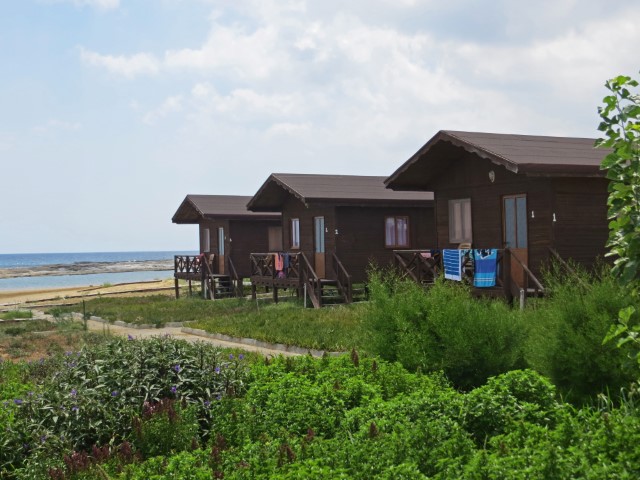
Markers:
443,329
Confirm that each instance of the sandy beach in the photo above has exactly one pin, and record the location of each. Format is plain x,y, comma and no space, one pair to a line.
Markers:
12,299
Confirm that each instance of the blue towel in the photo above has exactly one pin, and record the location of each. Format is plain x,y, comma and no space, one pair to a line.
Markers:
452,261
485,267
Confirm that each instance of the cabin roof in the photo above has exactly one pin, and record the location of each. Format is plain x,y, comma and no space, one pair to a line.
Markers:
530,155
345,190
197,207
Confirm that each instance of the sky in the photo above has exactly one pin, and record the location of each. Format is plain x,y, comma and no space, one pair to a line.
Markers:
111,111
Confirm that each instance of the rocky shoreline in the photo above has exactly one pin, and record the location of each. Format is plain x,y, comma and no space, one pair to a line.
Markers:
85,268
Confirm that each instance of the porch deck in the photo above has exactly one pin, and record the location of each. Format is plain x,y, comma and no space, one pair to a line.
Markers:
425,265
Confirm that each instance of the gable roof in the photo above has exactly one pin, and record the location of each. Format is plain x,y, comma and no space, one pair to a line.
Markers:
336,189
530,155
197,207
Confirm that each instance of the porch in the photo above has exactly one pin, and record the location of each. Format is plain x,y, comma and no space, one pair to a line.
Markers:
513,278
202,269
293,270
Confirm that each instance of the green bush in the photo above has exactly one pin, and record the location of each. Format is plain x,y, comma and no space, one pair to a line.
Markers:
566,335
443,329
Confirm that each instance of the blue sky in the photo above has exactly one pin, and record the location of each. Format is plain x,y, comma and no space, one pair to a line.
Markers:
111,111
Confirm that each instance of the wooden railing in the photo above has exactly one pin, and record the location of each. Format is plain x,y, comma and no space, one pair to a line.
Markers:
424,266
531,284
343,279
263,265
236,281
191,264
310,281
420,265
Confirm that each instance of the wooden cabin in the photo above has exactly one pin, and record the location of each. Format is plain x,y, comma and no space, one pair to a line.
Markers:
535,196
336,225
228,233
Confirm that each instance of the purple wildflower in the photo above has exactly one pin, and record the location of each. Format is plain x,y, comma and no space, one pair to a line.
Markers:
18,401
177,368
74,392
43,438
217,370
114,393
241,356
231,356
218,397
174,389
207,403
75,408
129,337
68,353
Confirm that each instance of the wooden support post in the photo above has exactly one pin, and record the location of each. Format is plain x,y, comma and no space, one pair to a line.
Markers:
177,287
506,275
190,291
254,292
275,294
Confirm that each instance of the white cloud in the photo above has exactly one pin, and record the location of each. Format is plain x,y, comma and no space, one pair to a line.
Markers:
170,105
127,66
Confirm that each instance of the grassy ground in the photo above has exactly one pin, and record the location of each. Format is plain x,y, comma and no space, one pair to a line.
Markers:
336,328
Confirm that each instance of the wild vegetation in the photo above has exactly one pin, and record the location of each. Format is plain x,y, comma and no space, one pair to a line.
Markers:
163,408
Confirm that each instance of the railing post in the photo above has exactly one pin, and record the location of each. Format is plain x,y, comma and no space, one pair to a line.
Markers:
506,274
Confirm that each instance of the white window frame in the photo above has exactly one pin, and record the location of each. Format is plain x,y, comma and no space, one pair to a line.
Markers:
460,223
295,233
394,244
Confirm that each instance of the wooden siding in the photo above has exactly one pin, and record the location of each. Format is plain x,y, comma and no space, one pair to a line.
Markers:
581,228
247,237
468,177
294,208
242,237
361,232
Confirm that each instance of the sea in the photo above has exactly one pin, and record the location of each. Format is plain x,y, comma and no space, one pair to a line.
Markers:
35,260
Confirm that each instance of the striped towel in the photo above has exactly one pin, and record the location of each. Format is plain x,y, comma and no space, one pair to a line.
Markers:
485,267
452,260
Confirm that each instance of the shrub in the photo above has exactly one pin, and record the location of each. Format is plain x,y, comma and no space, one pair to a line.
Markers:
443,328
567,331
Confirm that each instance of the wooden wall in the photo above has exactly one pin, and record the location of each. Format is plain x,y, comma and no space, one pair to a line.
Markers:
581,227
242,237
579,205
294,208
246,237
468,177
360,238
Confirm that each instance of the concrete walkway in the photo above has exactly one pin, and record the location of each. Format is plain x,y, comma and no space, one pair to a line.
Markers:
175,332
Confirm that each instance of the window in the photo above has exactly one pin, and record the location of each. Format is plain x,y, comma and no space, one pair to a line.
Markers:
206,240
396,232
221,241
460,221
295,233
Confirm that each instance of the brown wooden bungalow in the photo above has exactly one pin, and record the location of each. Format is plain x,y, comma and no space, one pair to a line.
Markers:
534,196
228,233
334,226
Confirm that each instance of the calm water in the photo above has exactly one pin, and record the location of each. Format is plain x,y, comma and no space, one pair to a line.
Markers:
37,259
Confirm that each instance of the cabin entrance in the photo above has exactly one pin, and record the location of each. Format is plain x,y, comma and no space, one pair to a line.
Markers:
318,247
514,227
275,239
221,251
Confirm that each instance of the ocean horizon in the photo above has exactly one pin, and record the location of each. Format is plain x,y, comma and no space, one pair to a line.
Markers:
43,260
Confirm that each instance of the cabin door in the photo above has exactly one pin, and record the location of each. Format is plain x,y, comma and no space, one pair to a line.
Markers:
514,222
275,239
318,227
221,251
